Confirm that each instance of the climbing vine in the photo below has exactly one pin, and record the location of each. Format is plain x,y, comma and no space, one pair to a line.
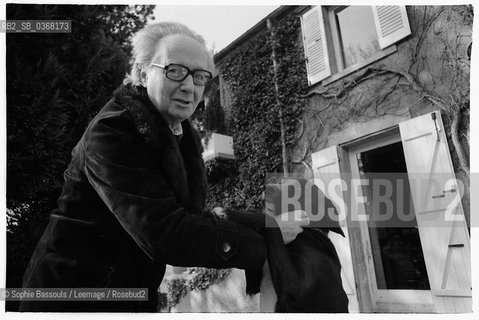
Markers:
434,70
254,116
429,71
180,287
254,124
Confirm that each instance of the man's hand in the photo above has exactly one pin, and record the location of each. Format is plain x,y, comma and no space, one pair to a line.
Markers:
291,224
219,212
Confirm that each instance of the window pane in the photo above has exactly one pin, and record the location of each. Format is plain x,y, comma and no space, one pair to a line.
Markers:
358,34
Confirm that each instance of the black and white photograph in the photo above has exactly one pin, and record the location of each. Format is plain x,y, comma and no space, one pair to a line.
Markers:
238,158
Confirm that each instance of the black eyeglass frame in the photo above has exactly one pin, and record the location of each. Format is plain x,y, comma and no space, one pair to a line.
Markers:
209,75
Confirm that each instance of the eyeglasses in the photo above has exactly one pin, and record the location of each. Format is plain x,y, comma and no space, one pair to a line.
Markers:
178,73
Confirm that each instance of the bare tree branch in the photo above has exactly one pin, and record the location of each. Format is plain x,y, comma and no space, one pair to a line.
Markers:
456,119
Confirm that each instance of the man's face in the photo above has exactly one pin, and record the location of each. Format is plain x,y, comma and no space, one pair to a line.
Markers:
176,101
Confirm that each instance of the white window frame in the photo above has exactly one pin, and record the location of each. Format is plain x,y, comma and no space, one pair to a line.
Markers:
336,50
334,47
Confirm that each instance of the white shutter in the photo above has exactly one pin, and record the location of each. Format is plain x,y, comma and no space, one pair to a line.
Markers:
326,168
392,24
315,47
445,244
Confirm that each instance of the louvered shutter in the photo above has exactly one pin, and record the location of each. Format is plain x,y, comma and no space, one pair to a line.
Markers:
445,243
326,168
315,47
391,23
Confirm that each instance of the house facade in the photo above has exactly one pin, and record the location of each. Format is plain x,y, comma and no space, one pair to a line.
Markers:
385,98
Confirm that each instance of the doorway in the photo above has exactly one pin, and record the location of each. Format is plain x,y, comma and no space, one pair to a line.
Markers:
391,244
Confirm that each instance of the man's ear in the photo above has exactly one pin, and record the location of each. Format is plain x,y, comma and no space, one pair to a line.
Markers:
143,77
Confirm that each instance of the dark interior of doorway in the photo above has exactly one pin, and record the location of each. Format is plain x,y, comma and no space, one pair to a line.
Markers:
397,253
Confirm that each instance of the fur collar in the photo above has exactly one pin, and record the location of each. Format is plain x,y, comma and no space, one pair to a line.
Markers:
182,162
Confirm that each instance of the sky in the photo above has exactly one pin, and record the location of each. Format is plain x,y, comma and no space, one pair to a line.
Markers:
219,25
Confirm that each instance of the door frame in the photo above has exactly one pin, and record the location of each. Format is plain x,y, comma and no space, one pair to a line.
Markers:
371,298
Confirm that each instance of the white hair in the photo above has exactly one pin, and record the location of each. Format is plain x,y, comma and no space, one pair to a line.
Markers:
146,44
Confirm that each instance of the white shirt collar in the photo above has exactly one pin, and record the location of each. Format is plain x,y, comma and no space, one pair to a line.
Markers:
178,130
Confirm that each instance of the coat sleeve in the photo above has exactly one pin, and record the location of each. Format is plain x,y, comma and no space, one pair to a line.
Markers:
271,234
122,170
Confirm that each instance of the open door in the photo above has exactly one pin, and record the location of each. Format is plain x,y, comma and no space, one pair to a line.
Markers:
387,245
439,213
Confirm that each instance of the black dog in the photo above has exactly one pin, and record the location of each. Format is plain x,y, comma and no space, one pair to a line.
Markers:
306,274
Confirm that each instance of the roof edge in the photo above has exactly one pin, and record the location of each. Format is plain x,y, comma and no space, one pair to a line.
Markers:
250,32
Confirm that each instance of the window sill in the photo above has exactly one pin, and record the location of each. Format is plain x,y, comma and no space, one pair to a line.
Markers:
359,65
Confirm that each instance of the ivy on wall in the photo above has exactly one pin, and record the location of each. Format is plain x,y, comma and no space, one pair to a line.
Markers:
179,287
253,120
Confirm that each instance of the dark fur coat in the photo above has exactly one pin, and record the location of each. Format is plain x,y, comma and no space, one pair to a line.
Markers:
131,203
